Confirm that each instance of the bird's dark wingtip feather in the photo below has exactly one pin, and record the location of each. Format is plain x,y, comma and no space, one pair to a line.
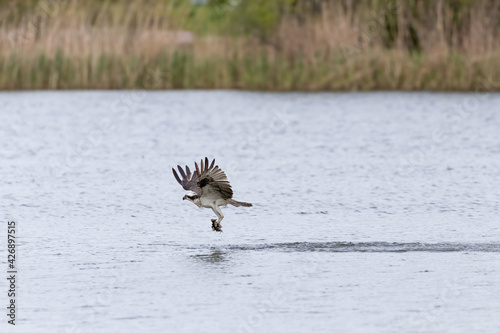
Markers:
176,176
197,169
181,171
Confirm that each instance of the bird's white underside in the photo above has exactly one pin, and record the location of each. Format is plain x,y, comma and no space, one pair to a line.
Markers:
213,201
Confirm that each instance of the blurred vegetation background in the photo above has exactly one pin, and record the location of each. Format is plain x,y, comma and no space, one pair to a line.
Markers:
250,44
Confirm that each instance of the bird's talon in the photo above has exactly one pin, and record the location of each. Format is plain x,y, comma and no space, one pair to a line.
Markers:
216,226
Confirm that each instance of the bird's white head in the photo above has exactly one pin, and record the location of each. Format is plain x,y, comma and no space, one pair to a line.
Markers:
193,198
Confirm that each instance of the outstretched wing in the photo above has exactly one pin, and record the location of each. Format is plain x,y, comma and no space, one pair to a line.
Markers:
213,180
189,180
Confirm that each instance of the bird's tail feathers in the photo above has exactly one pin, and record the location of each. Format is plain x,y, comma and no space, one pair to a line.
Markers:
239,203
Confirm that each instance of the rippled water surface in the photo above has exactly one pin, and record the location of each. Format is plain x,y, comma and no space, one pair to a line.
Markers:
372,212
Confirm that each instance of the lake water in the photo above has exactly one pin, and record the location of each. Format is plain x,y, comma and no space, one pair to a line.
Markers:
373,212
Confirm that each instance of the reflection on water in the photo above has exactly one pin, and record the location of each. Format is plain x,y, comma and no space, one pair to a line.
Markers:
215,257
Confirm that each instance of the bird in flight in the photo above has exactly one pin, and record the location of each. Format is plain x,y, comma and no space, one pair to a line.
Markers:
211,189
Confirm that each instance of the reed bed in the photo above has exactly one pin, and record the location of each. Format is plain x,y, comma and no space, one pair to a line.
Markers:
259,45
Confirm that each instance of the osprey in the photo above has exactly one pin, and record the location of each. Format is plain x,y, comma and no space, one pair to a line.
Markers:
211,189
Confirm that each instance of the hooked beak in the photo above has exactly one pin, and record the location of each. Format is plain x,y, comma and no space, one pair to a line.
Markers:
183,198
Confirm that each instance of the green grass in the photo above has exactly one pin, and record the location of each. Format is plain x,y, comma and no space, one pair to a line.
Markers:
180,70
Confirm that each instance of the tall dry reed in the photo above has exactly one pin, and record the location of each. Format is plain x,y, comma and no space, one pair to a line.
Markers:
307,45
